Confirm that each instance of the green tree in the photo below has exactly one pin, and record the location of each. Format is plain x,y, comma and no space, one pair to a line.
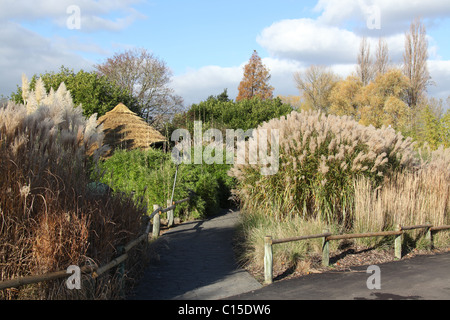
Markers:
433,125
245,114
445,129
95,93
431,132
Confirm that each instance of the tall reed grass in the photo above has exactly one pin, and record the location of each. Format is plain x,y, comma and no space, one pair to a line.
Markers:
48,218
410,197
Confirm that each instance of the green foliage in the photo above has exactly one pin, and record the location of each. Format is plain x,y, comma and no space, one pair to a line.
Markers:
95,93
150,174
445,129
221,113
432,128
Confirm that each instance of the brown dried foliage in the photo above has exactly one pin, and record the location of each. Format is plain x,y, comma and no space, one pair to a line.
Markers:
48,219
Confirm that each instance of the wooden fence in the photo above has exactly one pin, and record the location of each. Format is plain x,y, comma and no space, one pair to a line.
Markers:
327,237
96,271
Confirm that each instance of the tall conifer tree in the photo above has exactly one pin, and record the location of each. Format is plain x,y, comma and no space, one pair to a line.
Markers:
256,80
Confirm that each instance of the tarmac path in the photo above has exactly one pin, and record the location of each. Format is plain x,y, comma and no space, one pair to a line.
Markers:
424,277
196,262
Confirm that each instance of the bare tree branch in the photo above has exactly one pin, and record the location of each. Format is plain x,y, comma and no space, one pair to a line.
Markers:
365,67
147,78
415,62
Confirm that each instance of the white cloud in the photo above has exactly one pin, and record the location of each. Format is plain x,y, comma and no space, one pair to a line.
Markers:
395,15
24,51
27,51
95,15
308,41
440,74
196,85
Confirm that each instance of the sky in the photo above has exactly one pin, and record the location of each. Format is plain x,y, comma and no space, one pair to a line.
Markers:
207,43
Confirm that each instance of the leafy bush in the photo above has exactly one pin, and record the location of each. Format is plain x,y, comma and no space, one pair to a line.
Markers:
150,174
95,93
224,114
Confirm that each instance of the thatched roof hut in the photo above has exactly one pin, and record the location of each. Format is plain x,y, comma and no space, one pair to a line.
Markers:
124,129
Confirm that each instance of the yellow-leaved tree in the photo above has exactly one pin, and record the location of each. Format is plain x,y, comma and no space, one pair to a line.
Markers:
382,101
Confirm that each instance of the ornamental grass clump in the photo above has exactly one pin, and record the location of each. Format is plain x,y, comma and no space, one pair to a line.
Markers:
48,218
320,157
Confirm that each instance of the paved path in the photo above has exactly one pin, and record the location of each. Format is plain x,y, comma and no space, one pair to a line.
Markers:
419,278
196,262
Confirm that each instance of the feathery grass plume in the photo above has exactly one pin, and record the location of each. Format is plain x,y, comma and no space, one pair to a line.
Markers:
49,220
332,152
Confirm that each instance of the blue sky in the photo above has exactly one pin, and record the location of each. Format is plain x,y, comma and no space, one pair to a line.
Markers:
206,43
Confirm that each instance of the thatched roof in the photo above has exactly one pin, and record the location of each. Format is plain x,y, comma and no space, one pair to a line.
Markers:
124,129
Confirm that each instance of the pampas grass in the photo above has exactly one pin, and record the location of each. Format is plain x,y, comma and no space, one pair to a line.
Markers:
320,158
338,174
48,219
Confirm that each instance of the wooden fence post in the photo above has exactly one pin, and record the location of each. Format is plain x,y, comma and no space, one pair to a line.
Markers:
156,222
121,270
326,250
268,260
429,238
398,243
169,214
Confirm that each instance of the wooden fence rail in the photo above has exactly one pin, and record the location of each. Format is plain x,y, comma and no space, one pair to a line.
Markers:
96,271
327,237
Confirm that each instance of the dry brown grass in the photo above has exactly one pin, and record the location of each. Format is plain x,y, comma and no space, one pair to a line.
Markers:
48,219
411,197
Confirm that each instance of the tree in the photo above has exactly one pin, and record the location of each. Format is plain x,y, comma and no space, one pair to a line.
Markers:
433,125
294,101
256,80
147,78
95,93
381,102
445,129
315,85
382,57
343,97
415,62
223,97
365,68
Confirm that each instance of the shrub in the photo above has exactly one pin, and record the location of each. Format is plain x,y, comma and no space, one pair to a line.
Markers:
95,93
150,174
220,114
